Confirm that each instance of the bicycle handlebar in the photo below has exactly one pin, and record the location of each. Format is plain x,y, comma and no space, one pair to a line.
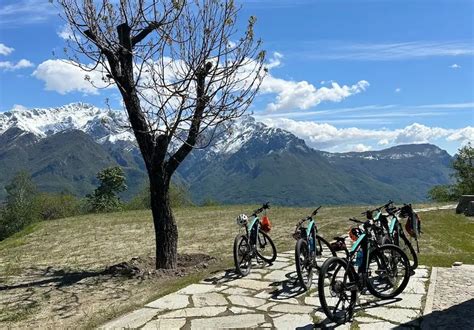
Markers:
261,209
386,207
315,211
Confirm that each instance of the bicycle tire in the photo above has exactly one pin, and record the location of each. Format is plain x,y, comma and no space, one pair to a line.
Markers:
262,243
301,250
385,273
242,269
328,272
411,253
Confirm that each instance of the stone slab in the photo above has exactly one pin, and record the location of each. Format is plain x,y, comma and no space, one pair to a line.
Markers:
209,299
199,288
292,309
398,315
168,324
246,301
195,312
293,321
134,319
229,322
171,301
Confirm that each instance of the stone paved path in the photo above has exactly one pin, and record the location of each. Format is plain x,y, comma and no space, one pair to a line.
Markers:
269,297
450,303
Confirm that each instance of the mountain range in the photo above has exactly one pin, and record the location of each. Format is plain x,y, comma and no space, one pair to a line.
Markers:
64,148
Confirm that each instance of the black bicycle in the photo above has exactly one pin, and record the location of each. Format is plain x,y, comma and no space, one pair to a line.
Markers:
309,249
382,269
393,230
255,243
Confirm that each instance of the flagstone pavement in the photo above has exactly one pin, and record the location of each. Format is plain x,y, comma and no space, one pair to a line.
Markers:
270,297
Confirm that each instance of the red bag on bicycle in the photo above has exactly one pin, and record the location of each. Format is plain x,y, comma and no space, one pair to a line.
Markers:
266,225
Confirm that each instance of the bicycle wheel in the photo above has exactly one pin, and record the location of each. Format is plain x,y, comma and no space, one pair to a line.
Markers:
337,289
265,247
388,271
323,250
304,263
404,243
242,255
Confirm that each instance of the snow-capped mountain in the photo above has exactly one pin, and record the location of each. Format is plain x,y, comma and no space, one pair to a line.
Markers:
247,162
101,124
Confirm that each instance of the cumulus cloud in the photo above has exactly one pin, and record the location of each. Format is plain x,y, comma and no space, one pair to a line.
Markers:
275,61
455,66
328,137
360,147
5,50
398,90
11,66
65,76
303,95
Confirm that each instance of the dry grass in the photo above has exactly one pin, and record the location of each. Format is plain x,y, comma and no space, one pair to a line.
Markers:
78,248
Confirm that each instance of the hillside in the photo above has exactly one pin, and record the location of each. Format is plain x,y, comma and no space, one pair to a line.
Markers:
63,148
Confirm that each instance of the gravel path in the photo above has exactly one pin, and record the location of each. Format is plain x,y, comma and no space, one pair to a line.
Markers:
269,297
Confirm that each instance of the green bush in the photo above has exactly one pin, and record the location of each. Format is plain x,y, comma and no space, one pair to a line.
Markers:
20,208
56,206
179,197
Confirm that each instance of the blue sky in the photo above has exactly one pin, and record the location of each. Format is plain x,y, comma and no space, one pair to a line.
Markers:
346,74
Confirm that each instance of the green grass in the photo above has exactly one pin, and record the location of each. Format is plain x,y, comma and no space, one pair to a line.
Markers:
92,242
447,237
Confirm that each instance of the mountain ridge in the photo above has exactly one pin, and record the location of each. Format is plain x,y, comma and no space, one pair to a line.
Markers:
248,162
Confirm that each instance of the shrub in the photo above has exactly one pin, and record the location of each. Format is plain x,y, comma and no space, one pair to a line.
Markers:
20,208
179,197
55,206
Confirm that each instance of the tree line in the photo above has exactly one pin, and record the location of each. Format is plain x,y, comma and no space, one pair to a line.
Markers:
25,204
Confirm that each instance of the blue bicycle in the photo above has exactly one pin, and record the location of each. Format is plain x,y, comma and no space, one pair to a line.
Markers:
310,247
255,243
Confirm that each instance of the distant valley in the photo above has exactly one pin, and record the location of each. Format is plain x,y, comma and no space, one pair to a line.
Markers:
63,148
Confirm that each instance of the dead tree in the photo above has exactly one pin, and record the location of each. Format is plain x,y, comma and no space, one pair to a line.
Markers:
182,70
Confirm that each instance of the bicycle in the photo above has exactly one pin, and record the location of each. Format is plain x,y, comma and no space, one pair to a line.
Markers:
255,243
394,232
308,248
382,269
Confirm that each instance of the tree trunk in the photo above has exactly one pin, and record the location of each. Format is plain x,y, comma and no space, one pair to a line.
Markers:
166,231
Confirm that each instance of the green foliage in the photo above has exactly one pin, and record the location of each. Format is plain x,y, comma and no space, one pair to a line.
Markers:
463,166
443,193
179,197
105,197
56,206
21,205
209,202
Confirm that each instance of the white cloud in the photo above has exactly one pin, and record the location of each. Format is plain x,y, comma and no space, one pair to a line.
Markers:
65,33
5,50
361,147
385,51
328,137
18,107
22,12
398,90
275,61
64,76
455,66
303,95
11,66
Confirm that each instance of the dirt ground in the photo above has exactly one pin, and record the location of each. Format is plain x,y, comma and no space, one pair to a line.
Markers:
50,297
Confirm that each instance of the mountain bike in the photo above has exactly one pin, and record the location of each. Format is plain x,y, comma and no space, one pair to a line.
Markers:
309,248
394,232
255,243
382,269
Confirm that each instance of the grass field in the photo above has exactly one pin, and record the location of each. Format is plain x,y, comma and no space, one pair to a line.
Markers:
50,272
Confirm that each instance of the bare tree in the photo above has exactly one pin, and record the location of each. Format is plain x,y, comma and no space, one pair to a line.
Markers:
182,71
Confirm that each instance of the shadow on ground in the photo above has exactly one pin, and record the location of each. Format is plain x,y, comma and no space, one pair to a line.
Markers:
455,317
